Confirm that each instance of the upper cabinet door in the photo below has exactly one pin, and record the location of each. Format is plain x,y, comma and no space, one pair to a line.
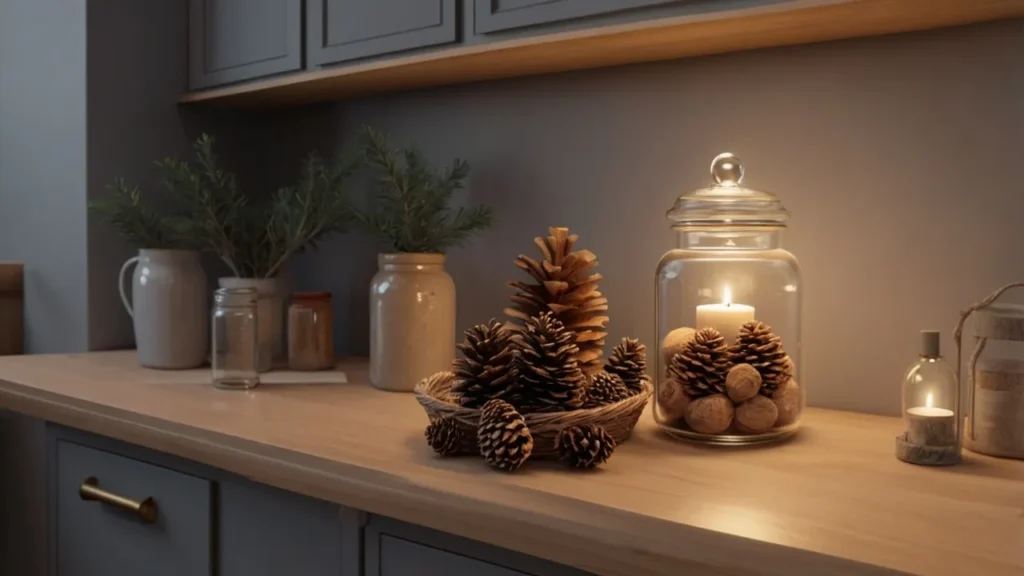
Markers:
497,15
340,30
236,40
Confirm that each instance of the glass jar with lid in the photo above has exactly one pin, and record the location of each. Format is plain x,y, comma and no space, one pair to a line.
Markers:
728,316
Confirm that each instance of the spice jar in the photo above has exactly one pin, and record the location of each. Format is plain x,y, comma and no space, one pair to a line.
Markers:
310,331
235,358
728,316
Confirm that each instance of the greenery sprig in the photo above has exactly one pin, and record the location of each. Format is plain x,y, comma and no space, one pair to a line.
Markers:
139,224
412,211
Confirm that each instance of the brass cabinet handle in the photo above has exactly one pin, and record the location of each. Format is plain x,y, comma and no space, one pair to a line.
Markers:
146,510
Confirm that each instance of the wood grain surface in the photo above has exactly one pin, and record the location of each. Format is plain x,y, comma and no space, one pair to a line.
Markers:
713,31
832,501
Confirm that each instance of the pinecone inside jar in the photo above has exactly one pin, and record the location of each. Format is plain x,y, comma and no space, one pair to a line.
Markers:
485,370
628,361
548,376
702,366
605,389
758,346
504,439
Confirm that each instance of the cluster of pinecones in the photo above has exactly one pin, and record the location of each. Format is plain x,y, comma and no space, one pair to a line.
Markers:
702,366
507,372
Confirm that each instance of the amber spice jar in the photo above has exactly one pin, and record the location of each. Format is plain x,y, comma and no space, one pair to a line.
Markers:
310,331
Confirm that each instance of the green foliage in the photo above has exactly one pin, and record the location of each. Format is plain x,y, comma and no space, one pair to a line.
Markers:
412,210
140,225
256,239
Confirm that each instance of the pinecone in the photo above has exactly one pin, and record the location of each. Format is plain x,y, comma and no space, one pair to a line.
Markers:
505,441
629,362
585,446
444,435
548,377
758,346
702,366
565,287
485,370
606,388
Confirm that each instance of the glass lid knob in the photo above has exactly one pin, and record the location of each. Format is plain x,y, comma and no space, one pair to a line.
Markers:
727,169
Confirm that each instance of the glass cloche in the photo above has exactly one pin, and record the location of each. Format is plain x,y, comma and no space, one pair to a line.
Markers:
728,316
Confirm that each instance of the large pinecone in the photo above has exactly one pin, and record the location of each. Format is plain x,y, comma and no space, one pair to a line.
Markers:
585,445
548,377
629,362
565,287
485,370
504,439
444,435
606,388
702,366
758,346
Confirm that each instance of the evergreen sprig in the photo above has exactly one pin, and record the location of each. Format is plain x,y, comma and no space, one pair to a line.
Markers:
139,224
412,210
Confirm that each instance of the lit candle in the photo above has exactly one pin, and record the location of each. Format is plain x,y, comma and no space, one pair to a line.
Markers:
930,426
726,317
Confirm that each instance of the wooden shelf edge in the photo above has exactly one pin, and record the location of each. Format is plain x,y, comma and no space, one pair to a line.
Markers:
787,22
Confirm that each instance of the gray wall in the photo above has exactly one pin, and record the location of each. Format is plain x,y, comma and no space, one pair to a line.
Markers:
895,156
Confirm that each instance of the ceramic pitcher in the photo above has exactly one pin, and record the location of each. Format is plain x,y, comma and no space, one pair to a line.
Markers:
412,320
270,313
168,307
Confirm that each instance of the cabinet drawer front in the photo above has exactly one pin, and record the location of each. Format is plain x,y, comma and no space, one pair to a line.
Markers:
340,30
236,40
497,15
395,548
96,538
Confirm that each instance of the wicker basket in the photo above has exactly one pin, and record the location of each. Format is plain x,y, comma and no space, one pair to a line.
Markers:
617,419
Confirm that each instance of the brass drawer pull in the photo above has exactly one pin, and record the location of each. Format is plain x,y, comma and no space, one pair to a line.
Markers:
146,510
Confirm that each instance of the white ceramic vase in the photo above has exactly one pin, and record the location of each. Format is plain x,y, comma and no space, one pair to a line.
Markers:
169,308
412,320
269,315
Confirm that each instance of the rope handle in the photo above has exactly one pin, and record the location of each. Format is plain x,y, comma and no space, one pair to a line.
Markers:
978,348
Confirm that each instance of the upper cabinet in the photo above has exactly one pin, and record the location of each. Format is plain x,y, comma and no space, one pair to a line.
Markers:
340,30
497,15
235,40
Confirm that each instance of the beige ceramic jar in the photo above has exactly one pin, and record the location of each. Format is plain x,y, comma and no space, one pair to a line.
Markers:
412,320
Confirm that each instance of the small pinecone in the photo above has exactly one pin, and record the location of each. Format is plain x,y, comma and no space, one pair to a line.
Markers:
485,370
758,346
702,366
629,362
505,441
444,435
585,446
605,389
549,378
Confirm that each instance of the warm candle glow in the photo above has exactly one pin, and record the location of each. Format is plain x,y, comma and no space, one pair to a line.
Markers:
928,400
726,296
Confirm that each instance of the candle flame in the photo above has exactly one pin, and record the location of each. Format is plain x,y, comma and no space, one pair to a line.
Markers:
928,400
726,296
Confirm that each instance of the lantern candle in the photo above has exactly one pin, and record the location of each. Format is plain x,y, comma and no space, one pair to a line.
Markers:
726,317
930,426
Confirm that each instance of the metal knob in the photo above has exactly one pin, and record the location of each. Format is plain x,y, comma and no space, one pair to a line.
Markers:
146,510
727,169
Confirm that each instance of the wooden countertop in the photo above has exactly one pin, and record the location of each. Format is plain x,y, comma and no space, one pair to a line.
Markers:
832,501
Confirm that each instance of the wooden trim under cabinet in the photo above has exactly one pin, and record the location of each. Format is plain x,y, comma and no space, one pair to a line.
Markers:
785,22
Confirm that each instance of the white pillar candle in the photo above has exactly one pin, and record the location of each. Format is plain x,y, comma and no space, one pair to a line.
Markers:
930,426
726,317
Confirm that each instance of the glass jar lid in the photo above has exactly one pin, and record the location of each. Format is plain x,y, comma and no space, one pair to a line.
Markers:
726,202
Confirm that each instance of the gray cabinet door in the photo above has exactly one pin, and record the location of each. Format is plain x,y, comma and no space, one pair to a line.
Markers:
497,15
96,539
340,30
395,548
236,40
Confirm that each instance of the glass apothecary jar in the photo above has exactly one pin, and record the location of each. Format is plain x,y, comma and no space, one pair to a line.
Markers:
235,354
728,317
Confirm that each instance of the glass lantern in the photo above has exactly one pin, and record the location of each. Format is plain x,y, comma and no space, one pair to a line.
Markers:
728,317
931,397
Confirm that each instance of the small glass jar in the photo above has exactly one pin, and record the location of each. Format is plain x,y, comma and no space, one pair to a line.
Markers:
310,331
931,398
235,358
728,317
